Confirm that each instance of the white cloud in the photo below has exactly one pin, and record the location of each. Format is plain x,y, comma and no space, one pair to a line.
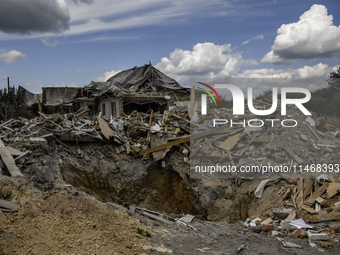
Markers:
12,56
34,87
259,37
310,77
107,75
313,36
73,85
206,59
105,15
50,42
319,70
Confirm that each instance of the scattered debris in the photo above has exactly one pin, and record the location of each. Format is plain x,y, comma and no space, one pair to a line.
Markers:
284,205
317,236
291,245
8,205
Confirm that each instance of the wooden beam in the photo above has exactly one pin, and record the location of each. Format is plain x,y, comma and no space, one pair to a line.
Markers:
22,155
186,129
185,120
56,124
6,122
60,142
105,129
293,155
316,194
9,161
332,137
182,140
39,104
231,158
150,122
155,217
313,132
163,146
231,141
307,191
83,112
177,137
192,102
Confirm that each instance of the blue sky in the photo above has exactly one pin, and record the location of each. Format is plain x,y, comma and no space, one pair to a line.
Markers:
73,42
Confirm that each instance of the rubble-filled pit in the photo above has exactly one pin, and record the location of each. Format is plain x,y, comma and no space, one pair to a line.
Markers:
163,185
158,188
158,181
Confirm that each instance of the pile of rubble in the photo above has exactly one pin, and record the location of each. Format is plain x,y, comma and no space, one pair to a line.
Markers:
130,134
283,203
236,145
257,141
317,205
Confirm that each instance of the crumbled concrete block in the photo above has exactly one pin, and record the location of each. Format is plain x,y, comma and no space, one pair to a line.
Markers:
282,213
291,245
317,236
285,224
37,140
187,218
275,233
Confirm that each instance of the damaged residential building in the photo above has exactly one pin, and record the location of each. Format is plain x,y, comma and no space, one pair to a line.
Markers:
142,88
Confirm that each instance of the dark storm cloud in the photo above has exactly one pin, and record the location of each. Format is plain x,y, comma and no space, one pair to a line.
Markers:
25,17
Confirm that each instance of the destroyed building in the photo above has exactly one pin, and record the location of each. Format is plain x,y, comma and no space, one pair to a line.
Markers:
142,88
30,97
58,98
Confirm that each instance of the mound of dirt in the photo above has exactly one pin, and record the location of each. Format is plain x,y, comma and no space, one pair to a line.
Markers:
66,224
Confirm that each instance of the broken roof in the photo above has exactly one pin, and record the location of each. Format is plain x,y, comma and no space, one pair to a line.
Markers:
144,77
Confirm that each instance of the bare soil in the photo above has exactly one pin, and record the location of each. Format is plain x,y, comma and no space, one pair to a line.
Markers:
65,224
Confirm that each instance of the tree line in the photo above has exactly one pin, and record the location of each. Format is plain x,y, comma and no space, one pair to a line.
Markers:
12,103
326,100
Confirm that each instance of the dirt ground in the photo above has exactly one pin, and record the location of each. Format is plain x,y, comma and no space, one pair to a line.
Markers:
217,238
57,219
64,223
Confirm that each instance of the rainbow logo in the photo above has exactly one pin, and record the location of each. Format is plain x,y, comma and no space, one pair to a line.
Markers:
209,93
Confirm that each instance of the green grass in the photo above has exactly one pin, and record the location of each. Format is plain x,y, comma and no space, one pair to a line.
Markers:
335,121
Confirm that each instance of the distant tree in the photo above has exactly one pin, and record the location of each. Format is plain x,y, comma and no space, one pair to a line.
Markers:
334,80
327,100
226,103
267,96
12,103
